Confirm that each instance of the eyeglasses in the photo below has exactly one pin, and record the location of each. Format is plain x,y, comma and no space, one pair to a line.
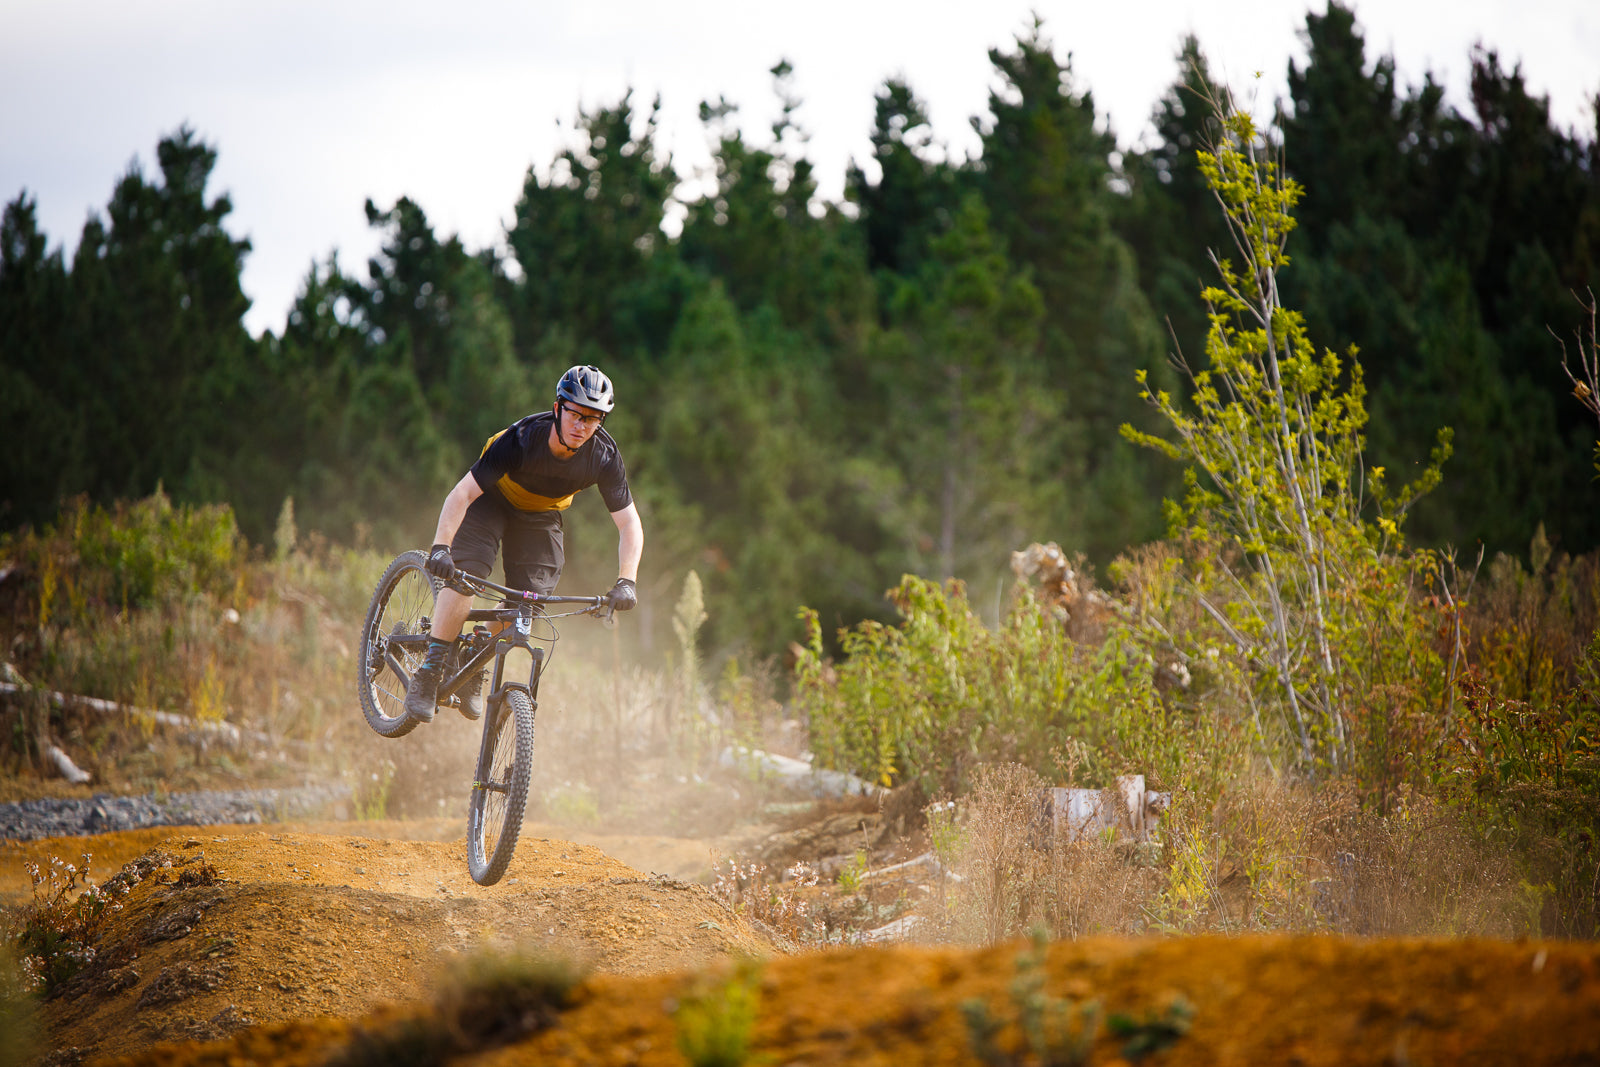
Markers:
588,422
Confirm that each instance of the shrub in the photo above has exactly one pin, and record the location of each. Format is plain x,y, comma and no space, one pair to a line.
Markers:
133,556
1297,580
932,699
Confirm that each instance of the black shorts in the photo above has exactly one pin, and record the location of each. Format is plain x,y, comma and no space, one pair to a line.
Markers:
533,550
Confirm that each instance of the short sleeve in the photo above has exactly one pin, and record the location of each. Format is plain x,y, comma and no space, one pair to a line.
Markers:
501,455
614,484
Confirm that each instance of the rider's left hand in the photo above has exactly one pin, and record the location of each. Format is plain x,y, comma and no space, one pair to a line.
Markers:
624,595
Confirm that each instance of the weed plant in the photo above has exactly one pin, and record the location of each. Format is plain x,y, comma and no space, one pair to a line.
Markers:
715,1019
1155,1031
53,936
492,998
1053,1032
161,606
485,1000
780,904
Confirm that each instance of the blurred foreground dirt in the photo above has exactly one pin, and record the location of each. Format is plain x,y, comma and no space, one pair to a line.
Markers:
303,937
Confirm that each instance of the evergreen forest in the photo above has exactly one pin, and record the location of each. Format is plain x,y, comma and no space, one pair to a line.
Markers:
817,398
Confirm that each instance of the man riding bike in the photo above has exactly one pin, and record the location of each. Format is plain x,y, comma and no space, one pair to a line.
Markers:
513,496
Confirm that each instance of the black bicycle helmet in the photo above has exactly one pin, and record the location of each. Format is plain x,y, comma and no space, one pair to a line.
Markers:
587,386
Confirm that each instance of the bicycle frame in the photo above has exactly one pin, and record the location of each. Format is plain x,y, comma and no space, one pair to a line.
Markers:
517,622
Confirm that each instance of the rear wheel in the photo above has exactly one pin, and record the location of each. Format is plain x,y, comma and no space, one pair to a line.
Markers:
500,790
404,597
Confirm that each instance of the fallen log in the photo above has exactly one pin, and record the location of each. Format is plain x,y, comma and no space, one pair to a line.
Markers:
227,732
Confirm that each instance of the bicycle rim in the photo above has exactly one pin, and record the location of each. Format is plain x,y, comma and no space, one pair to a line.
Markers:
500,793
404,596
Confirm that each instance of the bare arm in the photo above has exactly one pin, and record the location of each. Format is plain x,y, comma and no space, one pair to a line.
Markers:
630,542
455,508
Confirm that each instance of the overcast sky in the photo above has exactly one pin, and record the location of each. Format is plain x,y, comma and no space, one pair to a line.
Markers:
315,106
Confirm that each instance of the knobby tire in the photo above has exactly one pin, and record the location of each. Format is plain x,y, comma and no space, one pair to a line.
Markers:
500,788
404,595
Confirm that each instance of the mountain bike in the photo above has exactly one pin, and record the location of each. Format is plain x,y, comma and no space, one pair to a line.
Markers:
394,641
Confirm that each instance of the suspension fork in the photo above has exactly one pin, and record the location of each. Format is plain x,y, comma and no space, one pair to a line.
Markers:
497,695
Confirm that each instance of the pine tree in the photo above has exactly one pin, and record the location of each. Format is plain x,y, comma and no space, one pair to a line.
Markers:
756,231
1045,177
587,242
47,453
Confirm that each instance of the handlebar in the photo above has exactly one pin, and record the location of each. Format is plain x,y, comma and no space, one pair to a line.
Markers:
464,583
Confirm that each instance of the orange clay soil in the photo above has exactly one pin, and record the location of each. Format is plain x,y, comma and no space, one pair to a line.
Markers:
1257,1000
309,939
234,926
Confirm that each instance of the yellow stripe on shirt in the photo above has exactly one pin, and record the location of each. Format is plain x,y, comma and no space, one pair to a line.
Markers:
522,499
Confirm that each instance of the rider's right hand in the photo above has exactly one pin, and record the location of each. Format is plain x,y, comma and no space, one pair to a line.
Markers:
439,564
624,596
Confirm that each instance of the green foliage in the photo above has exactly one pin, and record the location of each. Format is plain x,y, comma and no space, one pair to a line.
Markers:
1046,180
815,397
585,236
716,446
970,424
716,1019
852,873
914,192
371,797
133,556
1154,1032
931,699
1273,438
1445,243
1170,216
1055,1032
763,234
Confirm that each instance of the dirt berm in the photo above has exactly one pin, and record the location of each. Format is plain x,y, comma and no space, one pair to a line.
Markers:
295,948
231,926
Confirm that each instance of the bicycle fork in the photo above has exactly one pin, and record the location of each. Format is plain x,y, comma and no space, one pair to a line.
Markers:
483,777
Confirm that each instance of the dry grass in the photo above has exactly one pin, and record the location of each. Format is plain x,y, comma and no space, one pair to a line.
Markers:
1268,855
1015,879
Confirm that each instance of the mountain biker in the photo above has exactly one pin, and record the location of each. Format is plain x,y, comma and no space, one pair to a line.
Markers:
514,495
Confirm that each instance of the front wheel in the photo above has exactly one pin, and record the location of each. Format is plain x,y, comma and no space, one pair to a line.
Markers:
500,789
393,643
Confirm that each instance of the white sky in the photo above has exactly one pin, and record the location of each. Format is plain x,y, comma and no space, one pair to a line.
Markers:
315,105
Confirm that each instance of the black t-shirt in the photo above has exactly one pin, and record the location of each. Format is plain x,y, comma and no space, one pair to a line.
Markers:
517,463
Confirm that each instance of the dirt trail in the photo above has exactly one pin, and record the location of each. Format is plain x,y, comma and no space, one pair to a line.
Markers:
301,941
239,926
